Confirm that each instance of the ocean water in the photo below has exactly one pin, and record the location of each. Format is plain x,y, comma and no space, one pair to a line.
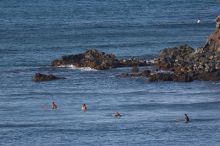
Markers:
33,33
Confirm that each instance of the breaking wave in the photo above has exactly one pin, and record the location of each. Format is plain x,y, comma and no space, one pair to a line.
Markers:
77,68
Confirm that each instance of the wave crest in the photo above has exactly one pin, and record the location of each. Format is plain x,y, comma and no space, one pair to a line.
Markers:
77,68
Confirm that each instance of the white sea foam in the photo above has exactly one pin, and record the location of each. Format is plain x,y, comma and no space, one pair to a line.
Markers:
216,83
77,68
150,61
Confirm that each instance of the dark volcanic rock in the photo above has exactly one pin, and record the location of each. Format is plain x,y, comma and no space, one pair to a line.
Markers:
145,73
207,76
135,69
91,58
43,77
183,77
189,64
133,62
213,42
98,60
169,76
161,77
129,75
170,58
184,63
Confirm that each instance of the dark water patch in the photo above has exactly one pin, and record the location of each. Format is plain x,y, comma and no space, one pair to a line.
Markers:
204,93
205,120
23,97
101,128
119,45
182,120
192,106
6,51
25,125
133,93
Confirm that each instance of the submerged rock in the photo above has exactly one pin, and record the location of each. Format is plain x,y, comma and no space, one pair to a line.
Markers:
145,73
185,77
135,69
43,77
97,60
161,77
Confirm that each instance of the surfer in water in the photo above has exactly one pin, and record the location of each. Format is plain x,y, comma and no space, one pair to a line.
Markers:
84,107
186,118
117,115
54,106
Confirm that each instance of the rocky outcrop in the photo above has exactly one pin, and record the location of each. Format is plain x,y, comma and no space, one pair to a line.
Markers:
145,73
186,64
91,58
155,76
168,76
181,63
171,58
133,62
213,43
42,77
193,64
161,77
98,60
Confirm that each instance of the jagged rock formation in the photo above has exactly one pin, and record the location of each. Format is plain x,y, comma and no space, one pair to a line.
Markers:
97,60
186,64
183,63
42,77
199,64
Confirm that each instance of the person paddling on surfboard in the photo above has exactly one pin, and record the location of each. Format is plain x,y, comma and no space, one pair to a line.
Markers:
117,115
84,107
186,118
54,106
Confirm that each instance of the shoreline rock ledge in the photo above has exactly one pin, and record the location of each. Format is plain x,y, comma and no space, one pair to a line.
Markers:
98,60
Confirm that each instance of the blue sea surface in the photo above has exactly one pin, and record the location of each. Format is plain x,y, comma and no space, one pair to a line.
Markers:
34,32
